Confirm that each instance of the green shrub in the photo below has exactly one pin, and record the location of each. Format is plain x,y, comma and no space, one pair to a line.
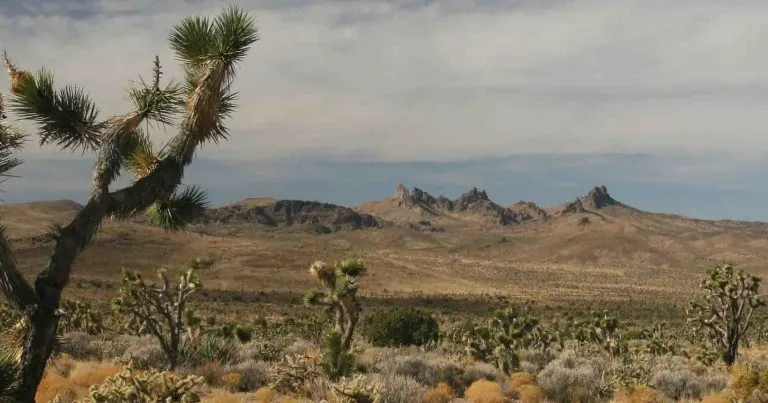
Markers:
400,327
244,333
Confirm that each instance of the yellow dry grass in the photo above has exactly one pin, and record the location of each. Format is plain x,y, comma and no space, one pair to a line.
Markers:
75,381
442,393
483,391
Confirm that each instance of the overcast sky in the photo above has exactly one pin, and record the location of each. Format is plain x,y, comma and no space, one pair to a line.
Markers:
665,102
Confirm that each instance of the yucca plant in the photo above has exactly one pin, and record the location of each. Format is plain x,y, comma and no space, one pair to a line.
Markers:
209,50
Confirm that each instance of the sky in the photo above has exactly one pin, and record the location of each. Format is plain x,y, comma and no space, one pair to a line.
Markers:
665,103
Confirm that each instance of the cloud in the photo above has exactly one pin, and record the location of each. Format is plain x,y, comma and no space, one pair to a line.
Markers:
663,101
415,80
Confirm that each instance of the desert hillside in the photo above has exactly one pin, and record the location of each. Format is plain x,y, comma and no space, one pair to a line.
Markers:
593,247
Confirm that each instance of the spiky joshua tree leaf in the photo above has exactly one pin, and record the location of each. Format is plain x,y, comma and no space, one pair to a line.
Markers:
181,209
65,117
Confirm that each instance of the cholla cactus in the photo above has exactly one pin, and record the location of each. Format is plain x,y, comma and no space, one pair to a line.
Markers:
500,341
161,387
359,389
725,314
80,315
660,341
601,329
160,310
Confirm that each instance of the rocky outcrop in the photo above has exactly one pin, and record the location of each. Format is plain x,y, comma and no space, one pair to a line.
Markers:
526,210
598,198
575,206
475,202
322,217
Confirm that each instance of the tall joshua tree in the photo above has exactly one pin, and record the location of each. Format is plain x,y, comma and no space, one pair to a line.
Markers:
209,50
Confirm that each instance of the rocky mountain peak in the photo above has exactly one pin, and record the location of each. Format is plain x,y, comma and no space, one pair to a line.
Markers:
472,196
598,198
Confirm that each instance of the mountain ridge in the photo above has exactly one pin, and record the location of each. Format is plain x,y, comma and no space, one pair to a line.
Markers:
592,246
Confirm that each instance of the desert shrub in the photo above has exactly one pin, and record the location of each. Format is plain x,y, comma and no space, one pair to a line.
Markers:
265,395
530,394
253,375
441,393
426,372
400,326
715,398
397,388
639,394
480,371
317,389
260,350
519,379
569,377
211,372
744,380
534,360
81,345
231,380
483,391
299,347
677,384
145,356
209,349
243,333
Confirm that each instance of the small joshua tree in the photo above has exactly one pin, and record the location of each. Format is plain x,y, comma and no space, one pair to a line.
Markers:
339,296
209,50
158,309
724,315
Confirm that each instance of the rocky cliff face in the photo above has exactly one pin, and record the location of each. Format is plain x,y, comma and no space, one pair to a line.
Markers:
325,217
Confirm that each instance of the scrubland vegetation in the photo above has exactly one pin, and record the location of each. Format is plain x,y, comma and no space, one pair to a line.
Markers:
154,341
121,350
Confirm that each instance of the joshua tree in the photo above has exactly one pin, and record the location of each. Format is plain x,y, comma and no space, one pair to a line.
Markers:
730,297
209,51
339,296
158,309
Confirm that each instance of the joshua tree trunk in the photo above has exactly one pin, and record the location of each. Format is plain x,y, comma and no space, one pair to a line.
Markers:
209,51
